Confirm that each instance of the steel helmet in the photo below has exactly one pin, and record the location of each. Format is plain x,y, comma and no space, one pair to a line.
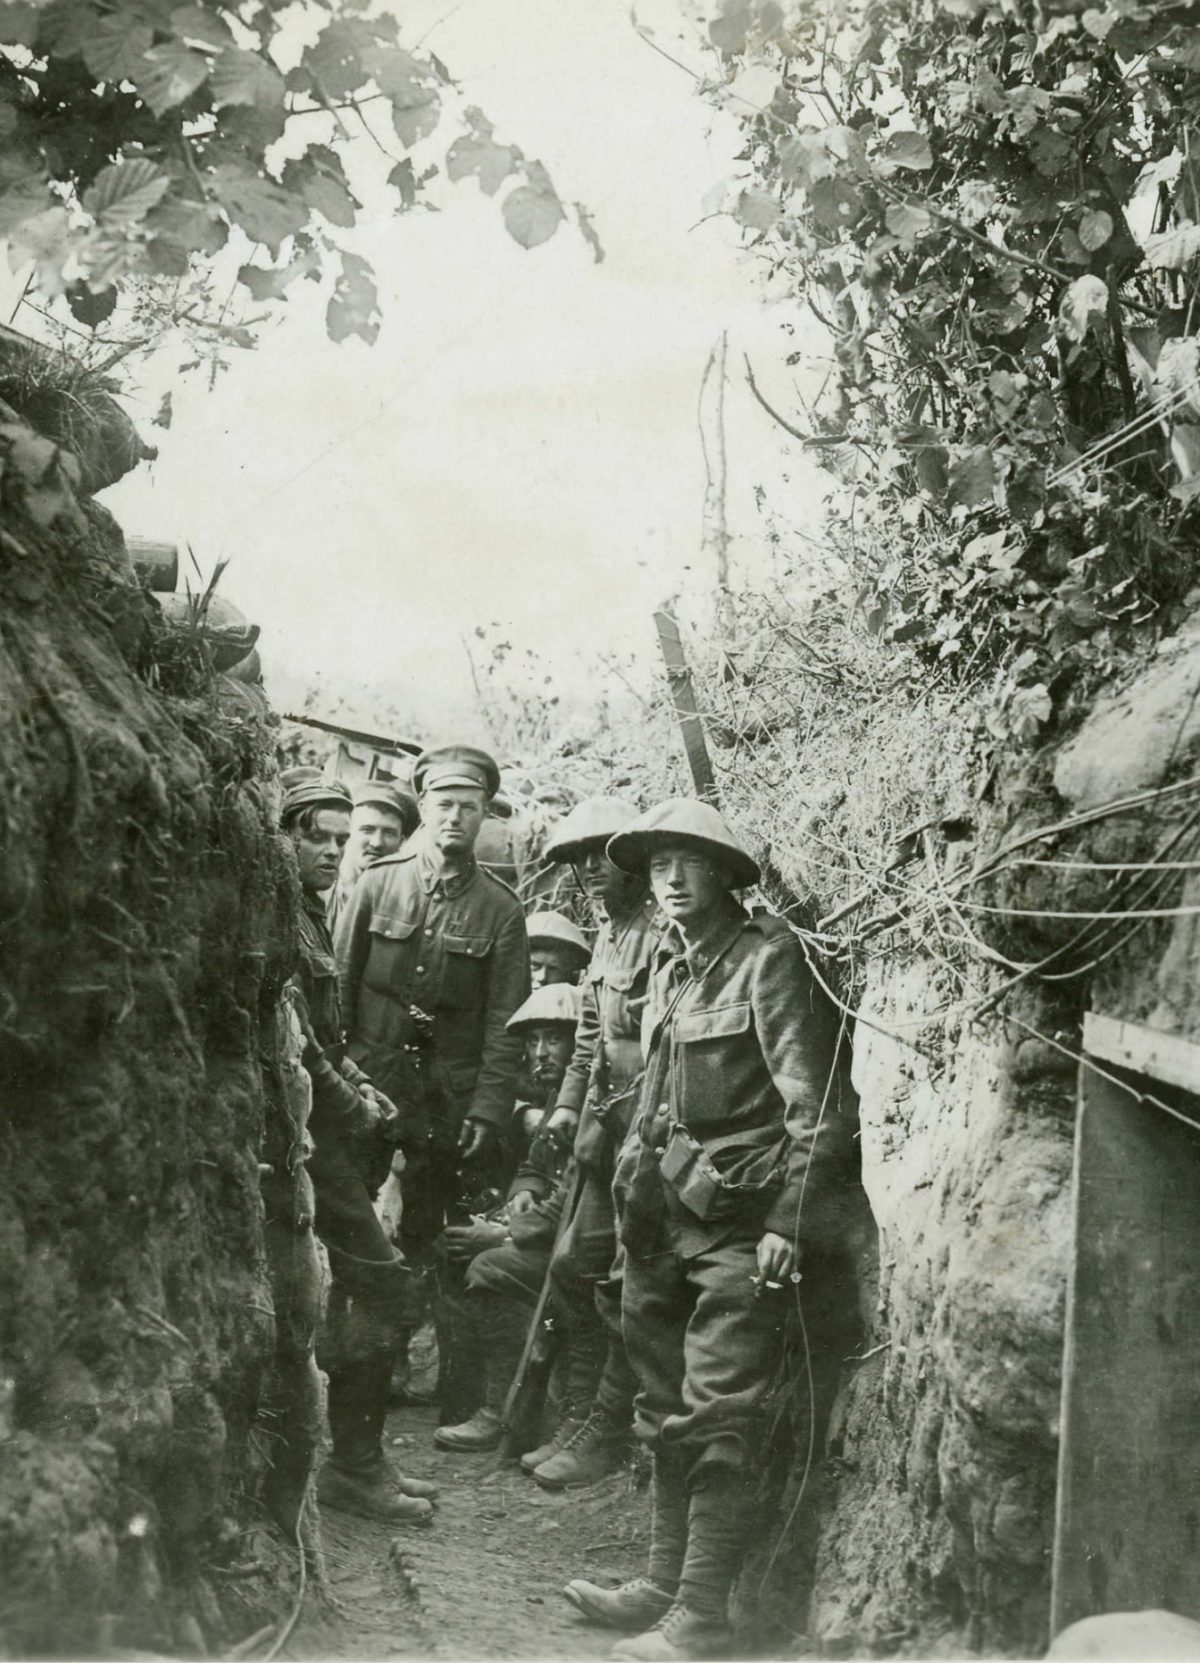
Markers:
594,820
558,1003
552,926
682,820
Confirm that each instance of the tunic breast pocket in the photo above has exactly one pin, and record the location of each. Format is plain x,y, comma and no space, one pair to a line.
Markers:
711,1048
464,970
388,952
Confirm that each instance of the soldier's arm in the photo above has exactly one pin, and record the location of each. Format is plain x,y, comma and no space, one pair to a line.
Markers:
500,1062
795,1030
351,944
337,1107
578,1077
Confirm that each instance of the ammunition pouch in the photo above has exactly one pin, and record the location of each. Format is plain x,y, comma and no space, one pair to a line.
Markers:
708,1194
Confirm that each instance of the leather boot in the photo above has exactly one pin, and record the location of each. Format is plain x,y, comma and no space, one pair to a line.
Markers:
595,1450
648,1598
569,1423
357,1478
697,1625
482,1432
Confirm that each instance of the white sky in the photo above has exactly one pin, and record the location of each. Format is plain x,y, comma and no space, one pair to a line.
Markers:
520,445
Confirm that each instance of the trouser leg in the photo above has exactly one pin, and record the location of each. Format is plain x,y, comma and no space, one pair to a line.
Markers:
582,1260
617,1384
655,1307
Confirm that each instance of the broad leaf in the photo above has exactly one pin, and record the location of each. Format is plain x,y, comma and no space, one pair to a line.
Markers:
265,211
533,212
42,238
1174,249
335,60
1084,302
319,179
239,77
1095,228
191,227
404,180
167,75
354,306
489,162
906,150
908,221
124,193
18,23
115,46
972,478
200,27
758,210
271,283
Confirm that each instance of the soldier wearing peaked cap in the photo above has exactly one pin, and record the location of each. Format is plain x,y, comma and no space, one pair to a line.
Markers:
738,1122
593,1111
367,1274
434,961
384,814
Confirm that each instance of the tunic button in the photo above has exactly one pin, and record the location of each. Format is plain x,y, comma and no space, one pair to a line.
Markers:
420,970
663,1109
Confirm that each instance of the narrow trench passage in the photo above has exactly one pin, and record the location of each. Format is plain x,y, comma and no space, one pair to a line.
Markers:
485,1579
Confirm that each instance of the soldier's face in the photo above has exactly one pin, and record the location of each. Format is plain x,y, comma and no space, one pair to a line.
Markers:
453,817
319,850
374,832
548,1051
599,879
688,885
550,963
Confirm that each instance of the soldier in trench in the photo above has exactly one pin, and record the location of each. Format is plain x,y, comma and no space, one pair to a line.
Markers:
594,1108
736,1124
434,960
368,1274
385,814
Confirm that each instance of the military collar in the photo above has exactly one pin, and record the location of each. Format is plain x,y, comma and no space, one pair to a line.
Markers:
618,926
436,882
702,955
314,904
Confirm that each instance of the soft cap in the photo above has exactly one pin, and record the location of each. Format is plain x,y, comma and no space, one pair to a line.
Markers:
448,765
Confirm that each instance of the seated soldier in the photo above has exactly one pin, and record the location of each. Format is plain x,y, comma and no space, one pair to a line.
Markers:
558,952
507,1255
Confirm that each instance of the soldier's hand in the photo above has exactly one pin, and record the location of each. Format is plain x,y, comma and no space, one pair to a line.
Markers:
561,1124
369,1110
524,1201
775,1257
464,1241
475,1138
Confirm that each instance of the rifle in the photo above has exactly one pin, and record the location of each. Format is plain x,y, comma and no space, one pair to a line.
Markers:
527,1394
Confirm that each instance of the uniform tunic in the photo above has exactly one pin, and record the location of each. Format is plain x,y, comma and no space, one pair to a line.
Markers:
453,950
601,1086
739,1121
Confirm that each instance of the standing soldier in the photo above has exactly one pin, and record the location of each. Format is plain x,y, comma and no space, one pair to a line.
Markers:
735,1125
594,1108
434,961
385,814
366,1299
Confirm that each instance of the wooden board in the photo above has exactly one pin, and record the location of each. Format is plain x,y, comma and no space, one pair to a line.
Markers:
1127,1530
683,697
1170,1057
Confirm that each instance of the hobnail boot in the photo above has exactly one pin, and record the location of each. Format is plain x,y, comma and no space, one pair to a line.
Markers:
680,1635
481,1432
563,1433
374,1494
596,1449
634,1605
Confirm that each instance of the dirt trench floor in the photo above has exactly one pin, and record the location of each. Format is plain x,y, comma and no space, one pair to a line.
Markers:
485,1579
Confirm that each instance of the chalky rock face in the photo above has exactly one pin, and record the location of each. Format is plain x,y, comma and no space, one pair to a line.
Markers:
943,1518
145,904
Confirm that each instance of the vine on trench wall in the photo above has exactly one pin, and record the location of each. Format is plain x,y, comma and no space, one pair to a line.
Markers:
994,209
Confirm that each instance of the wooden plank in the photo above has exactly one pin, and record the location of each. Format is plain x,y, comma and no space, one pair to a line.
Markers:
683,697
1170,1057
1127,1528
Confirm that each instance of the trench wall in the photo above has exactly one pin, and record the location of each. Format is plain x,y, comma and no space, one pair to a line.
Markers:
144,906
